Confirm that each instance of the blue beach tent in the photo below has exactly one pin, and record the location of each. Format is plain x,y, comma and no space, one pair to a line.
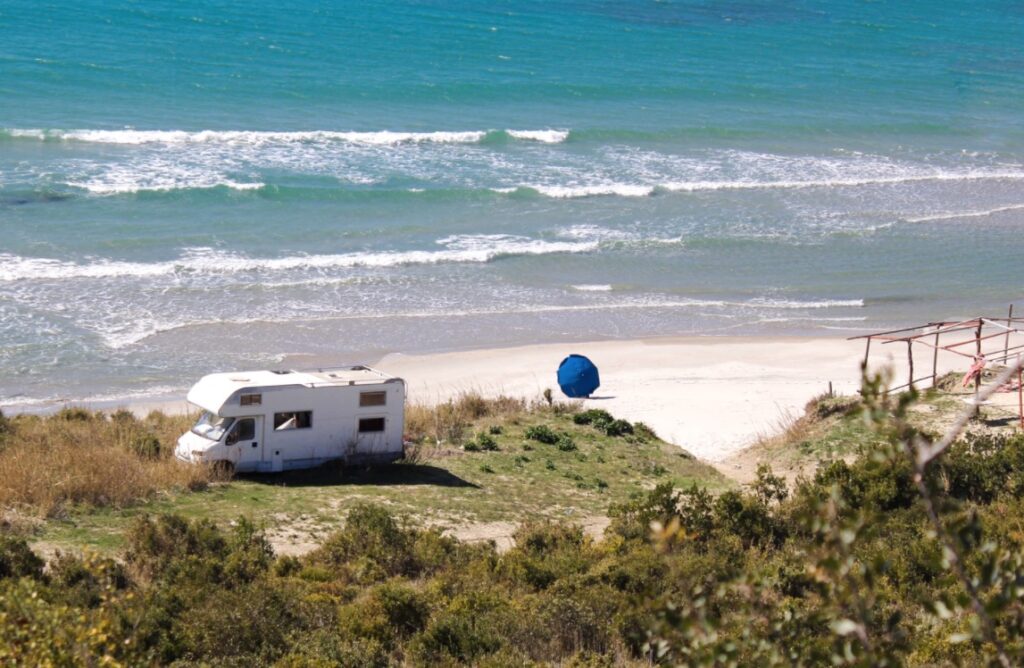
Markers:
577,376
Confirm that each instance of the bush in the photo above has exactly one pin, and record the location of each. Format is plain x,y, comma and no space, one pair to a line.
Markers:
17,560
618,428
486,442
74,414
603,420
249,625
595,417
146,446
565,443
643,432
171,548
82,582
371,546
541,433
983,466
326,648
472,626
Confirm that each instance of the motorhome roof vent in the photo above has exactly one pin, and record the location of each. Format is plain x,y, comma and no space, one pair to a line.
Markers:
281,372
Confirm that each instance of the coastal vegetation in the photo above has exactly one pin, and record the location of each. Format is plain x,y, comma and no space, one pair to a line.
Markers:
474,466
878,557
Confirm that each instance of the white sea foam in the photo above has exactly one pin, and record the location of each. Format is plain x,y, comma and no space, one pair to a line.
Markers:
953,215
130,136
588,232
458,248
767,302
592,287
574,191
543,136
646,190
609,235
118,337
154,183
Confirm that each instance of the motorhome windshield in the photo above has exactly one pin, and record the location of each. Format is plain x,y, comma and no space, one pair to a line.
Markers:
212,426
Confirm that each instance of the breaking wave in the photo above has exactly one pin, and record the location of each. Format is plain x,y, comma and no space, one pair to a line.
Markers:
255,137
477,248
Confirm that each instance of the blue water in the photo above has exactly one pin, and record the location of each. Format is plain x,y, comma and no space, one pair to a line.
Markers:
188,187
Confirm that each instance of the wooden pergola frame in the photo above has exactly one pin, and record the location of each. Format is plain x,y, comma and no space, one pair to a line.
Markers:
929,335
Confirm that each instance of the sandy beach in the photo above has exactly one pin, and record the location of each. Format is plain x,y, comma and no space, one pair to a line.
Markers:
712,396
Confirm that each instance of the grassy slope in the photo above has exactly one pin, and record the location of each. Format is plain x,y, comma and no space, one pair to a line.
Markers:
448,487
832,428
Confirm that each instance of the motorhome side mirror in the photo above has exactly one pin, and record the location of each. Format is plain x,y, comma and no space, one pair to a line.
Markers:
232,438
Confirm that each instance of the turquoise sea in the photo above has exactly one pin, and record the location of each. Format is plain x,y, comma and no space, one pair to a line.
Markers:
196,186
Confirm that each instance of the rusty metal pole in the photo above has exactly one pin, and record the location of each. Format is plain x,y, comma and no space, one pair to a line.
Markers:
977,379
935,359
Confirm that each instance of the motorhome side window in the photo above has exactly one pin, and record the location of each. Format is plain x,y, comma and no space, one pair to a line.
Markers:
370,425
251,399
293,420
245,430
372,399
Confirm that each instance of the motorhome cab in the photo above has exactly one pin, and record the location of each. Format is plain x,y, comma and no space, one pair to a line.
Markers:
281,420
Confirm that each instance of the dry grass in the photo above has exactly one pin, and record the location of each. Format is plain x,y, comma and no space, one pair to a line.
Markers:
77,457
450,421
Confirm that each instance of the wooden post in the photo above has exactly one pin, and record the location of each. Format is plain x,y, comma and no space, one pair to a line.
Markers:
977,379
910,361
1009,323
935,359
867,349
1020,392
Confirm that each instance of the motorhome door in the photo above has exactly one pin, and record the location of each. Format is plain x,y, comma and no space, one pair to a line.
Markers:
371,437
245,442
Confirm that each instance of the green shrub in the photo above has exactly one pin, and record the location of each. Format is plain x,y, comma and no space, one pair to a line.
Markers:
247,625
371,540
82,582
541,433
643,432
565,443
146,446
486,441
603,420
17,560
169,547
618,428
982,466
326,648
594,417
472,626
75,414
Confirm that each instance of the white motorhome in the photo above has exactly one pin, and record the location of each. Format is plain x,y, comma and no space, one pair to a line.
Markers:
282,420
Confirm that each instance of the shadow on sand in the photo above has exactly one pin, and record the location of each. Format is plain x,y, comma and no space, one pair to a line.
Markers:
386,474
